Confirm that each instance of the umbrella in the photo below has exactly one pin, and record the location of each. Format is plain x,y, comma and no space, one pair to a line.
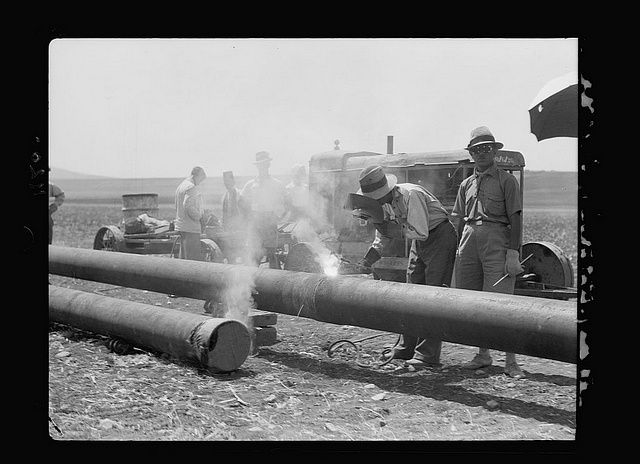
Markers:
554,111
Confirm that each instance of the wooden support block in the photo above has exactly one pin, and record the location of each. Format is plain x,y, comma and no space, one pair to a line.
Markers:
265,336
262,318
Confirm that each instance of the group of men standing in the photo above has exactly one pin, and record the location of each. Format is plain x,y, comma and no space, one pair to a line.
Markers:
483,247
481,244
252,212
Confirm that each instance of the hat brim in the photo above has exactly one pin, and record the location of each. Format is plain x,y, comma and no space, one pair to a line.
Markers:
392,180
496,143
263,161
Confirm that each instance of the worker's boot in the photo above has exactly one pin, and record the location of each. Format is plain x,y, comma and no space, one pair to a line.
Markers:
482,359
511,367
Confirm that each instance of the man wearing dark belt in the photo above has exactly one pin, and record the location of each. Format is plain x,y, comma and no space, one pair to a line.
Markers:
424,221
488,207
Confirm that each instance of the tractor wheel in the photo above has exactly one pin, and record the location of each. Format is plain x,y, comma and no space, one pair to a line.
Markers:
109,238
549,264
211,251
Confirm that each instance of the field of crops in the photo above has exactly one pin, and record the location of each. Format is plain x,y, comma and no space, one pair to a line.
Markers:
77,225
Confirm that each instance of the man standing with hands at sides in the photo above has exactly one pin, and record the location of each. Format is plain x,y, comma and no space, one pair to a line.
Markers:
233,209
189,212
264,196
488,208
424,221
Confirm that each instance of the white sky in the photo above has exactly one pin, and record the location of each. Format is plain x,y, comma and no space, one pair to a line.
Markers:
158,107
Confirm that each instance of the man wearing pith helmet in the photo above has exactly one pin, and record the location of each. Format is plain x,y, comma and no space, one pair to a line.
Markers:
488,207
424,221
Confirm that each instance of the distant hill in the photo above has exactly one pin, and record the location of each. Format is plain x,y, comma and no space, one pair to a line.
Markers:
58,174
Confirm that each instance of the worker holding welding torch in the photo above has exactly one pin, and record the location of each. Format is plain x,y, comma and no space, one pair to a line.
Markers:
422,219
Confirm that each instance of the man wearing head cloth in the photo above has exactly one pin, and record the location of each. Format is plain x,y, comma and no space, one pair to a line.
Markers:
264,196
488,207
422,219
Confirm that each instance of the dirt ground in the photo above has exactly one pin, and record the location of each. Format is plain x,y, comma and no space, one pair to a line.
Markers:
294,391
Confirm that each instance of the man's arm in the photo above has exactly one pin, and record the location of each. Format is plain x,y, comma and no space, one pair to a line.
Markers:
515,220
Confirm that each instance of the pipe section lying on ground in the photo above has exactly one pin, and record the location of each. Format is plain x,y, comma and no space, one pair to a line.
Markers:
219,345
537,327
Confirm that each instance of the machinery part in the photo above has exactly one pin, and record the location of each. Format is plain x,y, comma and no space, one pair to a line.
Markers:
548,263
109,238
302,258
139,203
211,251
219,345
391,268
539,327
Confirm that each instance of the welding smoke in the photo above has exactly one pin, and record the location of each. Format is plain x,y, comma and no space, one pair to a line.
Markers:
314,230
236,301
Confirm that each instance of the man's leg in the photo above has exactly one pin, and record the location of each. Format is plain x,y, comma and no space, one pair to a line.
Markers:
437,256
405,349
493,269
469,276
190,247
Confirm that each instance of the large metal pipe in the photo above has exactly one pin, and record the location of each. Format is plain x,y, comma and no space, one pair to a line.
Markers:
219,345
537,327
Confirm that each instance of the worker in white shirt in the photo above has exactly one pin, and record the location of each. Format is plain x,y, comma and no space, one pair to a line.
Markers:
264,195
189,213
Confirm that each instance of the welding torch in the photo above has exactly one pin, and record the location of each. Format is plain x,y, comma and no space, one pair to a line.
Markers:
507,275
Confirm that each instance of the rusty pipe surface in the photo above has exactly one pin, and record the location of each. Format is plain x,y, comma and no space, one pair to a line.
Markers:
219,345
539,327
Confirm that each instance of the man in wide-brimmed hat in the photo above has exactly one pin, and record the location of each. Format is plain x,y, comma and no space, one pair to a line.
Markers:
488,207
422,219
264,196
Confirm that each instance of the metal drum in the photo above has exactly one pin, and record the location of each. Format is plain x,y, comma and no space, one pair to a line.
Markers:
136,204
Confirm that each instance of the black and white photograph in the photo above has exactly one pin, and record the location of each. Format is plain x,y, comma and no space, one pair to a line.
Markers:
315,240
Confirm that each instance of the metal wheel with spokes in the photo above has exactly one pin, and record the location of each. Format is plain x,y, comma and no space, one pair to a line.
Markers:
109,238
211,251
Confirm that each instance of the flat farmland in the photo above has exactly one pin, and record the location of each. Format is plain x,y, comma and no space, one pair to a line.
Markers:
293,391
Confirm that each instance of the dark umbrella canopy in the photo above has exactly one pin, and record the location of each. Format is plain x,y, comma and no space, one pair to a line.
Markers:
554,111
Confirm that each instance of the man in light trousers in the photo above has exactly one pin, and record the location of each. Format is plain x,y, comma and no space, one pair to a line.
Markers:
487,208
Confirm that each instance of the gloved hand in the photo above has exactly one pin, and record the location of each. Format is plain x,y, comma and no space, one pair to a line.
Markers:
364,266
512,265
372,256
